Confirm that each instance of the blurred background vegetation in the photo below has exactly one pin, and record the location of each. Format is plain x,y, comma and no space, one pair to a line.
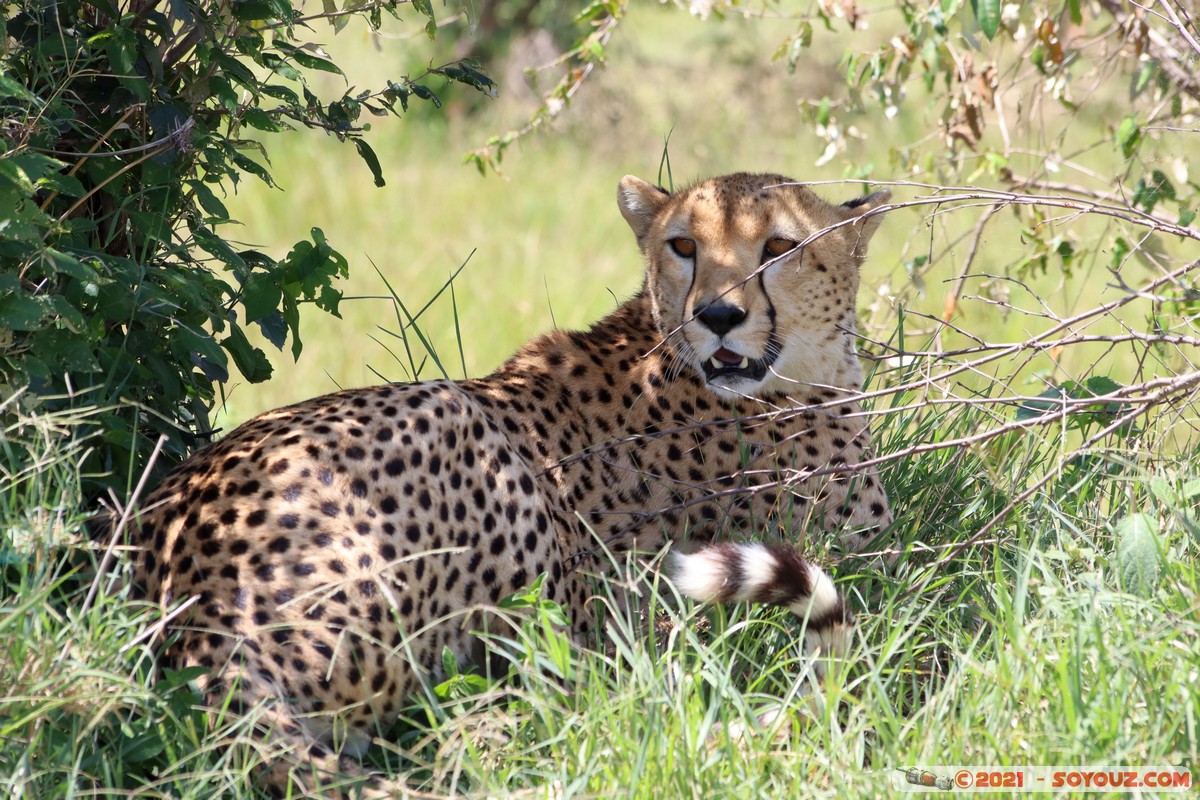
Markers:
543,244
542,240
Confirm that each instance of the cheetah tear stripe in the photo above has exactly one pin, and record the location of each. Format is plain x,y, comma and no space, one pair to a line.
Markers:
760,573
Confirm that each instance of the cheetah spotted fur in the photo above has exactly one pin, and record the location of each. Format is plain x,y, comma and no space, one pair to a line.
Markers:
334,547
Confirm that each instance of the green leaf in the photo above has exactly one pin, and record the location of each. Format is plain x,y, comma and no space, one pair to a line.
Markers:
1128,136
308,60
247,164
35,368
211,204
1036,408
38,167
368,155
62,183
1119,252
526,598
1139,556
394,90
274,328
224,93
793,49
592,11
554,613
16,89
182,11
425,93
212,370
1144,75
174,678
142,747
67,352
280,93
252,10
121,49
1162,489
1100,385
260,295
67,264
468,72
330,300
449,662
68,316
13,175
987,14
232,68
1147,194
823,111
277,64
20,312
151,225
257,118
1065,251
215,245
250,360
1162,184
291,315
197,342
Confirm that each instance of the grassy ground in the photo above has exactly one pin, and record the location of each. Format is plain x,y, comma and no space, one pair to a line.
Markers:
1030,647
1069,634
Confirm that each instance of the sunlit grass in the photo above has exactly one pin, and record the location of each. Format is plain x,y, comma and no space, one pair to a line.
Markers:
1025,647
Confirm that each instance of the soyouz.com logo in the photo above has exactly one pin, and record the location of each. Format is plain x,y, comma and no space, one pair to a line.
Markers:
1042,779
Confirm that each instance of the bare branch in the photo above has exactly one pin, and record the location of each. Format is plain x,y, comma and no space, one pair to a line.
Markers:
1173,62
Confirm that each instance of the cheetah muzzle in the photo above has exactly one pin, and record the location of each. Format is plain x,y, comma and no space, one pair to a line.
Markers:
331,550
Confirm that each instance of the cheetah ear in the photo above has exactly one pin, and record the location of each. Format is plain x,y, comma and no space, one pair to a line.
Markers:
861,232
640,203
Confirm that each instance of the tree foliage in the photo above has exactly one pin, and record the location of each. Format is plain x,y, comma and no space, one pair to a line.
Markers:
121,286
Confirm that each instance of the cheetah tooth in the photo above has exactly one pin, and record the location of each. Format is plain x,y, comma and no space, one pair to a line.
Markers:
719,364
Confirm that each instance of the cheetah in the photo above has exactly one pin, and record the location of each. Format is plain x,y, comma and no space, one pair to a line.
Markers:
332,549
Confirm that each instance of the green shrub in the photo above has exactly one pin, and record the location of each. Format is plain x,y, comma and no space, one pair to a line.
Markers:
122,130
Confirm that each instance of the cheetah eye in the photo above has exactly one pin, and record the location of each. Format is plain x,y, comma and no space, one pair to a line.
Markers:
684,248
776,247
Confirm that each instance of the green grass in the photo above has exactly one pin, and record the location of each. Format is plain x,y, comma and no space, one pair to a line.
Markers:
1027,648
1049,640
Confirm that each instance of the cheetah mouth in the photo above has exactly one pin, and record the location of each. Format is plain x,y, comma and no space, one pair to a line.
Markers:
726,363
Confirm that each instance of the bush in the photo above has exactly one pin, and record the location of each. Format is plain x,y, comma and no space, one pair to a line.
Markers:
123,129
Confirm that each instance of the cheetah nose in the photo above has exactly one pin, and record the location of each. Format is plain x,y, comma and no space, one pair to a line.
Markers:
720,317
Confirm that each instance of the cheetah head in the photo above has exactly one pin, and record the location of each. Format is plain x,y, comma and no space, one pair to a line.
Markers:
735,293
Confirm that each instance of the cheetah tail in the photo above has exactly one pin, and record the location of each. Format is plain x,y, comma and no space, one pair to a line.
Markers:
769,574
